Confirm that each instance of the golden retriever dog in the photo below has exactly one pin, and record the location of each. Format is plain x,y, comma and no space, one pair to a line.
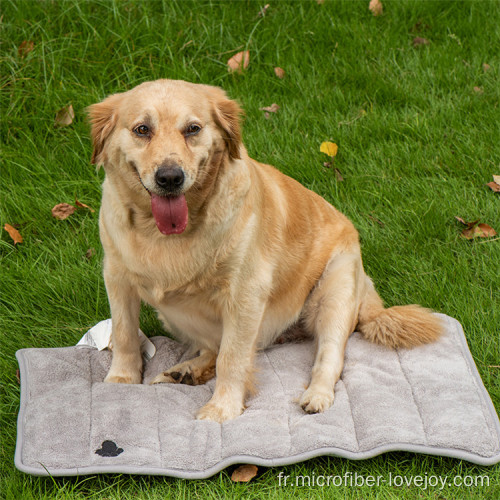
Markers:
230,251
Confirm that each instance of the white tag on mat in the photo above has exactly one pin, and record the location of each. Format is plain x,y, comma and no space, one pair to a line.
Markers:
99,337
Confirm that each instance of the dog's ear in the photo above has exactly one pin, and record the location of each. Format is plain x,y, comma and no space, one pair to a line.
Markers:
227,116
103,117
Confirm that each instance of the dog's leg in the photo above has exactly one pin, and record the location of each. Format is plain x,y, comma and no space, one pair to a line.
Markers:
196,371
234,367
331,314
126,366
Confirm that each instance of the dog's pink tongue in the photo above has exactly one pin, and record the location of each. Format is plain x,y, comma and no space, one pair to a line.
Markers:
171,214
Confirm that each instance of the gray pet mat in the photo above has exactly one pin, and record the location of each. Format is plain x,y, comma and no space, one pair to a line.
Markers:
428,400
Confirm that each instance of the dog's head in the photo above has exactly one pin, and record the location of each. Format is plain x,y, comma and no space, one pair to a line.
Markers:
170,134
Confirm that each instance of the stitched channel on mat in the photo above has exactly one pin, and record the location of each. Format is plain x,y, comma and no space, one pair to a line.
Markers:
352,416
479,393
413,396
89,357
158,424
284,398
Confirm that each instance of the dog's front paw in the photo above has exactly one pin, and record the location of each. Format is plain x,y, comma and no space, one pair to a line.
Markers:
314,401
219,412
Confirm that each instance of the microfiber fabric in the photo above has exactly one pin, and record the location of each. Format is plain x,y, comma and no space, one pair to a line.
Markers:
428,400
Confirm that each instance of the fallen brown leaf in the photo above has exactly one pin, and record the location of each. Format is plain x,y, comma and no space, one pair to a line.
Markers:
82,205
479,231
271,109
376,7
63,211
14,234
486,67
18,376
494,186
279,72
65,116
468,224
239,61
338,175
418,40
244,473
89,253
478,90
25,48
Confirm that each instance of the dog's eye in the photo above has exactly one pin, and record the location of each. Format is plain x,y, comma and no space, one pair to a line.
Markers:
192,129
141,130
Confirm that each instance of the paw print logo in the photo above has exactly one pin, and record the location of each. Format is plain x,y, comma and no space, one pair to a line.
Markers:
109,449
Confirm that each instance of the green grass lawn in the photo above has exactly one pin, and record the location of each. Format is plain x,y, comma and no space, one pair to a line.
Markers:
417,144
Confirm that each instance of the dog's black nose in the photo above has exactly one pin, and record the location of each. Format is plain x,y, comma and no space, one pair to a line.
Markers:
170,179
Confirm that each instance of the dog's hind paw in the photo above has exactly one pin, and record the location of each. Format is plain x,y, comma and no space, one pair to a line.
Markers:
174,377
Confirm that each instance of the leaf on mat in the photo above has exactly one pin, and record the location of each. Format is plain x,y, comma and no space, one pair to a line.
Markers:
418,41
25,48
279,72
82,205
244,473
65,116
239,61
376,7
263,10
486,67
63,211
14,234
329,148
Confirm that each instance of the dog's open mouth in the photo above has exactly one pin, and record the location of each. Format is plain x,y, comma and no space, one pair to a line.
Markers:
170,213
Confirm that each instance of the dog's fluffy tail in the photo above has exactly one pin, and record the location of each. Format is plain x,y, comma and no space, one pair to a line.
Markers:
397,326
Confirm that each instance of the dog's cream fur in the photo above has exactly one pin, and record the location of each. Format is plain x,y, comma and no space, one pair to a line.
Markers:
259,254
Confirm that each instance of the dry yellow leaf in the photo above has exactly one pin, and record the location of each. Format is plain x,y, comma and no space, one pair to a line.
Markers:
244,473
376,7
14,234
239,61
329,148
